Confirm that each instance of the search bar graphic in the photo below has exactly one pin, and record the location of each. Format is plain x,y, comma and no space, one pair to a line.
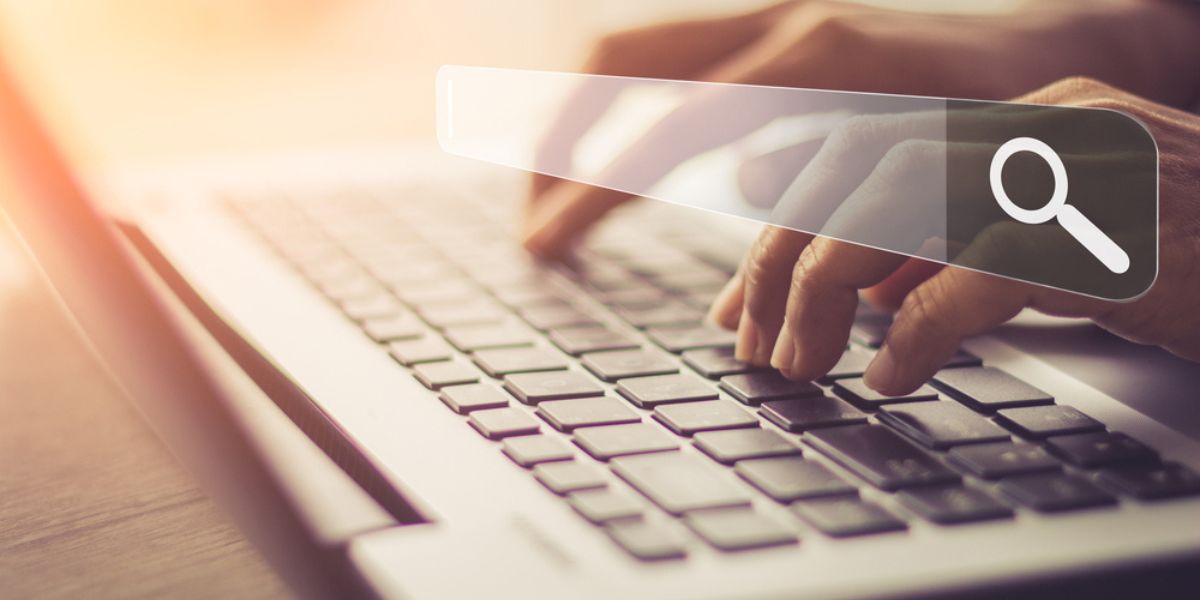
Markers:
976,185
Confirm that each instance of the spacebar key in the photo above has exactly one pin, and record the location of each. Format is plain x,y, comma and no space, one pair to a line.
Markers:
680,482
880,456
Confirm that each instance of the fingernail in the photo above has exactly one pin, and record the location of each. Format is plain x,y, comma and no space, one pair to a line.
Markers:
785,350
881,373
747,339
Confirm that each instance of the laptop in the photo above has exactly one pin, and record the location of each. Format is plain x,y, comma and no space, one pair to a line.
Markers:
352,355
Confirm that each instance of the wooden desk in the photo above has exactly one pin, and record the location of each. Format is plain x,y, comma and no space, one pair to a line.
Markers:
91,504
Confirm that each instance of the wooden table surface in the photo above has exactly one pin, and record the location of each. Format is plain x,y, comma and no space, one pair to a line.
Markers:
91,503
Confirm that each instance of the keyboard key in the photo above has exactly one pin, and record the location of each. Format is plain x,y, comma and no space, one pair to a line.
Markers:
791,478
470,338
580,340
962,358
566,477
463,399
1100,449
845,517
1044,421
444,292
1152,482
372,307
880,456
530,450
994,461
756,388
415,352
679,482
733,445
940,425
987,388
438,375
853,363
954,504
611,441
611,366
1054,492
708,415
715,363
566,415
632,297
679,339
858,394
671,312
478,312
507,361
543,318
601,506
646,541
802,414
521,295
498,423
393,328
648,392
738,529
531,388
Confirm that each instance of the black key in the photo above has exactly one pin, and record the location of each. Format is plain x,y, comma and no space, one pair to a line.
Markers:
611,366
530,450
566,415
1100,449
857,392
602,506
988,388
731,446
954,504
940,425
756,388
566,477
708,415
880,456
392,328
791,478
671,312
802,414
846,516
543,318
415,352
646,541
1054,492
438,375
532,388
994,461
1044,421
372,307
470,338
738,529
507,361
579,340
648,392
1152,482
498,423
679,339
679,482
478,312
463,399
611,441
853,363
715,363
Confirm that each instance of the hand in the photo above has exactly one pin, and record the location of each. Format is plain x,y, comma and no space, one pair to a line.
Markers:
793,301
1147,48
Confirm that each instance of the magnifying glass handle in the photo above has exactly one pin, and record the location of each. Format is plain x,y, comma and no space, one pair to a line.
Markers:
1096,241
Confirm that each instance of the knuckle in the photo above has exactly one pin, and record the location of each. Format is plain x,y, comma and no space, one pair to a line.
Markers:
909,156
855,132
613,51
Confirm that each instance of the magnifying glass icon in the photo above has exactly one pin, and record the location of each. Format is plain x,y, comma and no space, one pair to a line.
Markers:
1080,227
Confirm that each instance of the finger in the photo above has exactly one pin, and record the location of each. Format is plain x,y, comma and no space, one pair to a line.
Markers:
766,274
933,320
564,214
889,293
821,303
726,308
763,179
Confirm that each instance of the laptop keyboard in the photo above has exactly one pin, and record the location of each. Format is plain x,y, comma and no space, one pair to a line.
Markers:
594,373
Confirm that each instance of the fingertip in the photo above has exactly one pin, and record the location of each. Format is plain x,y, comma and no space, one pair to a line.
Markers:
881,373
726,308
